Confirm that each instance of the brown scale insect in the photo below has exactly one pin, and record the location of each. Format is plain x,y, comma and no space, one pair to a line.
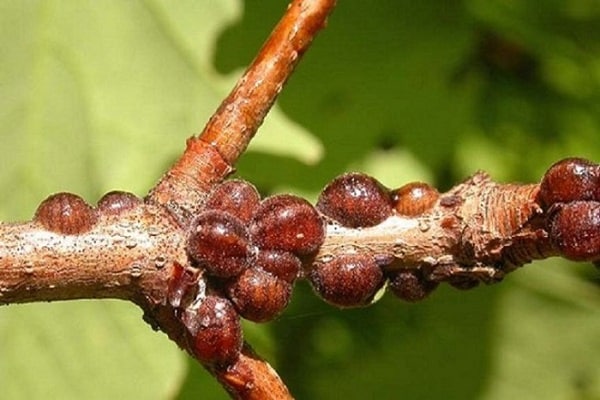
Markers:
282,264
116,202
66,213
219,242
237,197
414,198
288,223
348,280
214,331
569,180
410,285
575,230
355,200
258,295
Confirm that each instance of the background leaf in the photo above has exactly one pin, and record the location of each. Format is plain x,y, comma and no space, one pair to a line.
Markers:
98,96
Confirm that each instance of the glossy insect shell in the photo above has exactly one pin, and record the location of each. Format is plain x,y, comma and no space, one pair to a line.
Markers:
569,180
349,280
237,197
214,331
288,223
410,285
219,242
414,198
282,264
116,202
355,200
66,213
258,295
575,230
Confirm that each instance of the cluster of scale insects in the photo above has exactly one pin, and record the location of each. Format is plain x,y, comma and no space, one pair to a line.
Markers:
246,253
250,252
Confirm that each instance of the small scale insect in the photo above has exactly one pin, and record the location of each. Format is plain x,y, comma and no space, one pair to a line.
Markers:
349,280
219,242
258,295
288,223
414,198
410,285
237,197
569,180
355,200
116,202
214,331
66,213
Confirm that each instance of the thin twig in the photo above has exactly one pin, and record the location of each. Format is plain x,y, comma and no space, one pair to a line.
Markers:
209,158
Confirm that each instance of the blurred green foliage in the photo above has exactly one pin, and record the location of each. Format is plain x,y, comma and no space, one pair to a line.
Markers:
100,96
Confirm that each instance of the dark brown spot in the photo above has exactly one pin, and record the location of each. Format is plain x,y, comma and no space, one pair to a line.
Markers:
116,202
66,213
288,223
355,200
414,198
258,295
215,333
450,201
569,180
349,280
219,242
237,197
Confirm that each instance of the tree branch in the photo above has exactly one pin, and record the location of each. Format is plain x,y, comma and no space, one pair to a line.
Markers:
126,256
209,158
479,230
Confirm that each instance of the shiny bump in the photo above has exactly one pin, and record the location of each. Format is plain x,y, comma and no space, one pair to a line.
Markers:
215,332
258,295
288,223
349,280
237,197
569,180
66,213
410,285
219,243
414,199
355,200
575,230
116,202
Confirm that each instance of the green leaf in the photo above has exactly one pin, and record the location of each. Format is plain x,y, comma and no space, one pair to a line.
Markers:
86,349
547,337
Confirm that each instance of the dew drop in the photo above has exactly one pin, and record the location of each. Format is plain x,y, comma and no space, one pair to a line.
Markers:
135,270
29,269
160,261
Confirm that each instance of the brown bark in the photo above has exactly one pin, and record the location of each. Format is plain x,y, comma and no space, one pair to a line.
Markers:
210,157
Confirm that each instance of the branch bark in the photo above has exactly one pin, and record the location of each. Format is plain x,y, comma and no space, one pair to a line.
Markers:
209,158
